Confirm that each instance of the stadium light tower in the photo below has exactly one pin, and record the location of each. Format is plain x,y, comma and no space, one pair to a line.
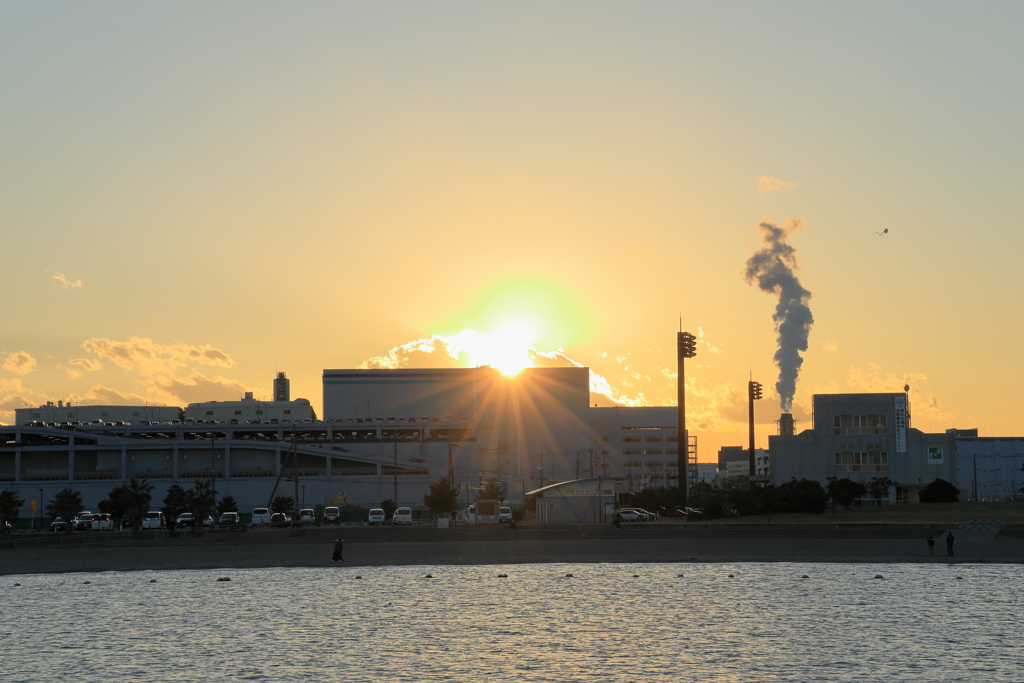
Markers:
753,394
686,344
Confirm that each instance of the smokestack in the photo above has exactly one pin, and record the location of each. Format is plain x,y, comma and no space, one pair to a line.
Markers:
773,269
787,426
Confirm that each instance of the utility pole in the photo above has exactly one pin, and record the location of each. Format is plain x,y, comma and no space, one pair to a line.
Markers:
686,345
451,467
753,394
395,495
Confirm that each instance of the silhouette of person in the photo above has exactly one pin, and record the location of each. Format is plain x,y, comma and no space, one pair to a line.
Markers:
617,520
949,543
338,546
931,545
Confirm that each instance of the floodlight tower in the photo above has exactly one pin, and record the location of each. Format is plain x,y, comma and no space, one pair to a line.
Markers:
686,345
753,394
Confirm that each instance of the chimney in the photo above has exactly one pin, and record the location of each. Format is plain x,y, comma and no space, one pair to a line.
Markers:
786,427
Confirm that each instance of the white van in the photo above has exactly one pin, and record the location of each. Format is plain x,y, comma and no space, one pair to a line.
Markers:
402,516
154,519
260,517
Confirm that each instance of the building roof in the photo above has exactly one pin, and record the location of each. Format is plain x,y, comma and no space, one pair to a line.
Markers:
552,487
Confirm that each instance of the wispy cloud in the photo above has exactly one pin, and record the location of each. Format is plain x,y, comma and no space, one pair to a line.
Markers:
830,346
766,184
924,402
20,363
197,387
148,357
68,284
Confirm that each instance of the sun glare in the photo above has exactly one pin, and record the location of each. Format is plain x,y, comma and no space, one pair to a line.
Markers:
508,350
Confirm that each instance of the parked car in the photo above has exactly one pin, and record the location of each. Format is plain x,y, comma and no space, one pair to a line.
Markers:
101,521
306,517
403,515
504,514
59,525
279,519
673,512
630,515
82,521
260,516
229,520
332,515
154,519
185,519
376,516
648,516
208,522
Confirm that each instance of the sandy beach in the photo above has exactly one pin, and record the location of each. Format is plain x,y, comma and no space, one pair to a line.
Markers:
46,553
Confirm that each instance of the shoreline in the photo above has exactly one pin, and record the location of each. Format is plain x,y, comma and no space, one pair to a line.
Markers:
375,547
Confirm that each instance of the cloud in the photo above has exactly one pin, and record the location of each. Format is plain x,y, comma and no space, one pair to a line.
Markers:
14,395
923,402
150,358
766,184
830,346
20,363
197,388
100,395
59,277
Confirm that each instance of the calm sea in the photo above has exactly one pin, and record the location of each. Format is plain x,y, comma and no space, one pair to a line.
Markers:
607,622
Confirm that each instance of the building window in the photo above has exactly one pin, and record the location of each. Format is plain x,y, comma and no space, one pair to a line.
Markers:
209,412
859,424
631,463
631,451
674,439
853,461
604,451
652,439
653,451
287,412
135,413
632,439
238,412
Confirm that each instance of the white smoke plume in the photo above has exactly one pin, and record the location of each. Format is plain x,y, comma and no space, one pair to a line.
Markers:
772,268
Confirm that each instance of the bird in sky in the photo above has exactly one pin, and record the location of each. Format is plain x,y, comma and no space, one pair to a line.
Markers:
883,232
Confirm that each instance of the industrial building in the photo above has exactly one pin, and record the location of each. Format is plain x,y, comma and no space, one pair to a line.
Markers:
860,436
989,468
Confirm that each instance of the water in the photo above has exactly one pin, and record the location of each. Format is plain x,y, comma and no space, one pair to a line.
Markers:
765,623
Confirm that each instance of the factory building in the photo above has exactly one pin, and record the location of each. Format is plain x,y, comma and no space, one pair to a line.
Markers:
249,409
989,468
61,413
860,436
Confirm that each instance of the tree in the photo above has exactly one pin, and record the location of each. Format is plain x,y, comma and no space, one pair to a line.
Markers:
845,491
136,499
10,504
388,506
67,503
113,504
768,501
175,502
490,491
442,496
940,491
282,504
804,495
878,487
227,504
201,499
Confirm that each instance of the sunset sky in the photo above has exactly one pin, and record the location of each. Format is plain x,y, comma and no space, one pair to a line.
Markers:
194,196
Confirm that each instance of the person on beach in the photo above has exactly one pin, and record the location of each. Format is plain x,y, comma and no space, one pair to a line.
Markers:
949,543
338,546
931,545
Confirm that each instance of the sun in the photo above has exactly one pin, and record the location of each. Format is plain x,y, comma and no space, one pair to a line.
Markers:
509,349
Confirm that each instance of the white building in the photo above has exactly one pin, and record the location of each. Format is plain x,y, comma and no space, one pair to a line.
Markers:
62,412
251,410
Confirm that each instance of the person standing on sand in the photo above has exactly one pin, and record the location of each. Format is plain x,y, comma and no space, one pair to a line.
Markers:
931,545
338,546
949,543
